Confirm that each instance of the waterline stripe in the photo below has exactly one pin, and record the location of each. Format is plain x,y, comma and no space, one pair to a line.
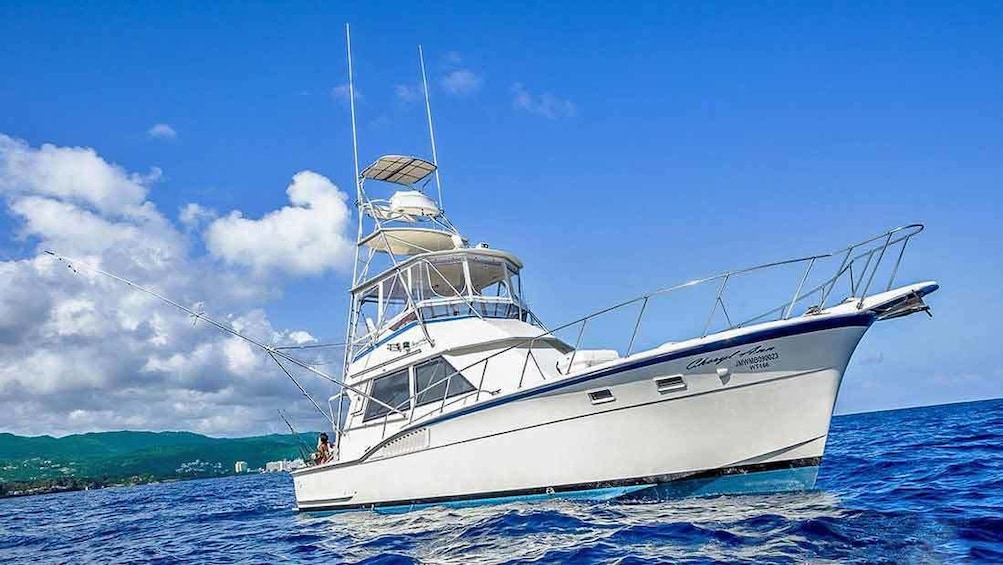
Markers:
602,490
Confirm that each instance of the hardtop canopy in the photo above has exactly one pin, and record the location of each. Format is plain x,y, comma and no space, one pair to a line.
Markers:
399,169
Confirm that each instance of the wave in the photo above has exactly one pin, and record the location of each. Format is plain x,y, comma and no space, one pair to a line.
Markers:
918,485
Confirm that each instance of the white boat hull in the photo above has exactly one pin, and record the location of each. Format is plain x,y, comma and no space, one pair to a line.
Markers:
753,416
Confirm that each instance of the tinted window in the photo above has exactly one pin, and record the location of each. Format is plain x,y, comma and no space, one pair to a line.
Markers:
435,373
392,390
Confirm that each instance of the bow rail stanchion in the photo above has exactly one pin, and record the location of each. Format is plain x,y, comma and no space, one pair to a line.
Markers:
877,245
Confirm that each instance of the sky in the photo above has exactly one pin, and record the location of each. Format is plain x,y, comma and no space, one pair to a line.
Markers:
205,150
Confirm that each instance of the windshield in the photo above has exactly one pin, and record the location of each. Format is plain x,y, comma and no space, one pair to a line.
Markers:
441,286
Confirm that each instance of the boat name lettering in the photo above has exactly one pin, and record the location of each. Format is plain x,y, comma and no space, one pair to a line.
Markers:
755,357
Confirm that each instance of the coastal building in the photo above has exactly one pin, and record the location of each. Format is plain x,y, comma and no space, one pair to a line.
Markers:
240,467
283,465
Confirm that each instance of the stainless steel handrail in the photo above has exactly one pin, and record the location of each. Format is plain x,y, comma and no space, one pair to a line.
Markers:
891,238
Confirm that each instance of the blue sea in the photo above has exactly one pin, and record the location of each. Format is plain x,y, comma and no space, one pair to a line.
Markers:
922,485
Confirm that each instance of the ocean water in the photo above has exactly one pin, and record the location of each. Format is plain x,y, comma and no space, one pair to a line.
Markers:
909,486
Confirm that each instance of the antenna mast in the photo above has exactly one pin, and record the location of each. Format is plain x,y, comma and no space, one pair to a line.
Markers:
351,97
431,131
358,203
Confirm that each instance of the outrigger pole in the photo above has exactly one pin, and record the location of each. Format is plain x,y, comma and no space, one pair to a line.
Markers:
274,352
358,238
431,131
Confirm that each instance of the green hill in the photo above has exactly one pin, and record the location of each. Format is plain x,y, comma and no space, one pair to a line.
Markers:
110,457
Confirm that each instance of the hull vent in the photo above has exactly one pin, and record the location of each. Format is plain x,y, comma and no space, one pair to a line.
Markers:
601,396
414,441
670,384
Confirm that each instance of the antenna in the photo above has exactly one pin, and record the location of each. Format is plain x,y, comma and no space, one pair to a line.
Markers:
358,196
431,131
351,96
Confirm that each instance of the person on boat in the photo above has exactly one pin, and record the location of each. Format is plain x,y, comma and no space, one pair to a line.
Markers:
323,454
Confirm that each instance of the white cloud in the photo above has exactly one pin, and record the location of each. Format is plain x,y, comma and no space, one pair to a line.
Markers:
461,82
74,174
305,238
546,105
301,337
195,215
75,316
80,352
161,131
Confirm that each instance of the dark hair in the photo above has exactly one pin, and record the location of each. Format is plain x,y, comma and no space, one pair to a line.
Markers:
323,437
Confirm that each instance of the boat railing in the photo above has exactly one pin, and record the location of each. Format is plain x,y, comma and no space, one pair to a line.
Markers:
871,253
429,305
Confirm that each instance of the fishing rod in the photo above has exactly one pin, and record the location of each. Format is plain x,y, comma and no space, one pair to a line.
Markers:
304,449
273,352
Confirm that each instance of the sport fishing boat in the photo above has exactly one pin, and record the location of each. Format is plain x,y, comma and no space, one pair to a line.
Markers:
454,392
457,393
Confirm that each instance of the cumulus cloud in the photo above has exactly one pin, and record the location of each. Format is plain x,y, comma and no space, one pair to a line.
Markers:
195,215
81,352
76,175
161,131
301,337
306,238
546,105
461,82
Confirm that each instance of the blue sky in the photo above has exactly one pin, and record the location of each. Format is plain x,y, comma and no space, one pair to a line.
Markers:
614,147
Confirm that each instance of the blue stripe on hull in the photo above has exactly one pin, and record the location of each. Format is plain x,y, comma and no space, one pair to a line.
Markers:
600,494
763,482
760,482
809,325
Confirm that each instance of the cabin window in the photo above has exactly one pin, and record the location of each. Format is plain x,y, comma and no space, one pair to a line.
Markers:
369,313
395,299
447,310
430,381
442,279
393,390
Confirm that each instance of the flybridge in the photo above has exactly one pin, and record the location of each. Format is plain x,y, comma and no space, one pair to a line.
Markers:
412,265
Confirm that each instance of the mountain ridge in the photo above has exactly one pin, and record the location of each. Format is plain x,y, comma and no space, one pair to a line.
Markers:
126,456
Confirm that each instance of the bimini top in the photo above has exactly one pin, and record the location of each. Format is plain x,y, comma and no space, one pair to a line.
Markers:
399,169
